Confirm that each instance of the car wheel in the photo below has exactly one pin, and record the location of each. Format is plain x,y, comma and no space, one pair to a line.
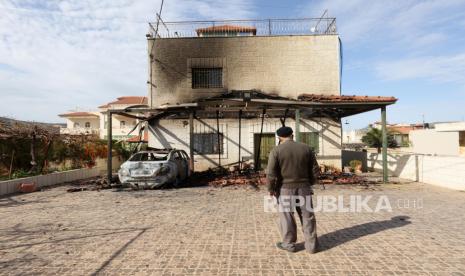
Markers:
177,182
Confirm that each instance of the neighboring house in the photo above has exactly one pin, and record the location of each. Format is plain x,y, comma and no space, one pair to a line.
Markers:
400,132
121,125
445,138
81,122
95,122
246,61
353,136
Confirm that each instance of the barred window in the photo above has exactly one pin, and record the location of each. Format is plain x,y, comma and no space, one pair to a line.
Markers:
207,77
207,143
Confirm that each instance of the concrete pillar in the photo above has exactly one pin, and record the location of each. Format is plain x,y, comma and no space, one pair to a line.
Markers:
191,140
109,146
240,132
297,125
385,142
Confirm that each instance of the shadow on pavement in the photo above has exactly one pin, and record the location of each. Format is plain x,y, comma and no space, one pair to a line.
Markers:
338,237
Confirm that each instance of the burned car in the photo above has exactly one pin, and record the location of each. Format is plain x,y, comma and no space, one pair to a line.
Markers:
155,168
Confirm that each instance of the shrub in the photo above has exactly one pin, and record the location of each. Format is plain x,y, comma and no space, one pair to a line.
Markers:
355,164
374,139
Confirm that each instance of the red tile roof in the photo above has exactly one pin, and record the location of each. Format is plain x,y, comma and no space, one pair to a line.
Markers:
130,100
403,129
227,28
136,139
78,114
344,98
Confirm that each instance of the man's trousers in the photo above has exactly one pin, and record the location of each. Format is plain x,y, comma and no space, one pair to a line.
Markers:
287,222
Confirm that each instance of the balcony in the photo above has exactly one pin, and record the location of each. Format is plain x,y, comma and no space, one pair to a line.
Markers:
229,28
79,131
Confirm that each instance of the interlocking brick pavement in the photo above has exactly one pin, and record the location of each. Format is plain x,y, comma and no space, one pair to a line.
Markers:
225,231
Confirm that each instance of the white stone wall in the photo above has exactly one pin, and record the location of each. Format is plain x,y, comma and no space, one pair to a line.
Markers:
41,181
175,134
444,171
430,141
451,126
285,65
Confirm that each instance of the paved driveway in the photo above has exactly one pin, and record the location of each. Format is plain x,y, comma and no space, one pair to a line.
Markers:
207,231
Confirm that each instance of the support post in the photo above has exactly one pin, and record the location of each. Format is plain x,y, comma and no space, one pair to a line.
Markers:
109,146
257,157
240,131
191,141
218,136
283,120
297,125
384,151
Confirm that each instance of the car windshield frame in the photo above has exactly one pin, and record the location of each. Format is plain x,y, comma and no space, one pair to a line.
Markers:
149,157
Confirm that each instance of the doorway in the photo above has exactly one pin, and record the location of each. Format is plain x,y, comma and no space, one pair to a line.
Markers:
268,142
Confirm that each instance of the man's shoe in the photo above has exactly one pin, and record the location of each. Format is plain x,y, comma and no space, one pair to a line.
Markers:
280,246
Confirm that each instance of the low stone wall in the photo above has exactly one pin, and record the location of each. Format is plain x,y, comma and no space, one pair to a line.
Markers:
445,171
11,186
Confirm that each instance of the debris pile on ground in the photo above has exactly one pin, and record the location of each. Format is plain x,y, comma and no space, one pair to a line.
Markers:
222,177
331,175
340,178
91,184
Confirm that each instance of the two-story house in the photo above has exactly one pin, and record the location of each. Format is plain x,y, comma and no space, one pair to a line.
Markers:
95,122
237,80
81,122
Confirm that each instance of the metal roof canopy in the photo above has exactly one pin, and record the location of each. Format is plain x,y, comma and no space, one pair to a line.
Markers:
254,101
335,110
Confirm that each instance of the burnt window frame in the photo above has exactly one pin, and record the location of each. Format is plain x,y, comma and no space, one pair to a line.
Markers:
207,80
201,146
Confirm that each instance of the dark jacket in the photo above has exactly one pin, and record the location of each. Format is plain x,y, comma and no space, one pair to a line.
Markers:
291,165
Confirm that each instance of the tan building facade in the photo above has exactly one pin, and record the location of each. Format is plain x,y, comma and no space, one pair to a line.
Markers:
282,65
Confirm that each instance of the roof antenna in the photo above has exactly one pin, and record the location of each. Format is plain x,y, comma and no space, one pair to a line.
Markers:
159,18
315,28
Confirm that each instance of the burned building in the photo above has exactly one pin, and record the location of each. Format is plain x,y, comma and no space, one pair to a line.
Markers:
231,84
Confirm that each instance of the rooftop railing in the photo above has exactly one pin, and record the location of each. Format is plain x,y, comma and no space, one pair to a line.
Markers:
227,28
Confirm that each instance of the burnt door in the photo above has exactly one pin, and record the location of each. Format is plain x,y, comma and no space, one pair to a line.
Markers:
267,144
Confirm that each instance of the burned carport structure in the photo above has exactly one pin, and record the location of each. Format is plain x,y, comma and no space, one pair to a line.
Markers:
248,104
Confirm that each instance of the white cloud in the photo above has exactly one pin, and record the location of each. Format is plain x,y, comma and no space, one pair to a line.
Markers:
361,22
401,39
56,55
448,68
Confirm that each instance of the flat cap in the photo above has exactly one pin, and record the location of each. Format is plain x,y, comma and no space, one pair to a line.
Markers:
284,131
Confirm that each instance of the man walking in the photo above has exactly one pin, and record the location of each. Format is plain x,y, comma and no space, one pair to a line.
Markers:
291,172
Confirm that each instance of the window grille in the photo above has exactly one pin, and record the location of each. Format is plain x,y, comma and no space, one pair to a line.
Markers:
207,143
207,78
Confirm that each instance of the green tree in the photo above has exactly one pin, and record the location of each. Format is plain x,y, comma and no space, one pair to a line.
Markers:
374,139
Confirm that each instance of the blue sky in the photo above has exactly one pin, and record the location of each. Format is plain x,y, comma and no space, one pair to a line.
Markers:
60,55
